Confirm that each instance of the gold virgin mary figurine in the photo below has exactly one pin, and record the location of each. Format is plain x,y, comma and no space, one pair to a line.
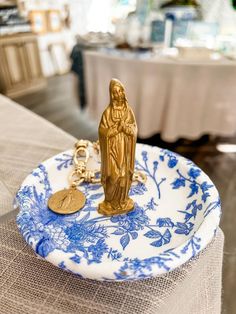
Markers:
117,137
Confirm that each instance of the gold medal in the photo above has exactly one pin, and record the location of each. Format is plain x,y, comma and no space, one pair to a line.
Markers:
67,201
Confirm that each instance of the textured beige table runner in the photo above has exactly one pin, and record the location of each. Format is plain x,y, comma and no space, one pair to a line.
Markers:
25,140
31,285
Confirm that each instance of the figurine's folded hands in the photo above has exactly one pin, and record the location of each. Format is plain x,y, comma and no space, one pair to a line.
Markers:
113,130
121,126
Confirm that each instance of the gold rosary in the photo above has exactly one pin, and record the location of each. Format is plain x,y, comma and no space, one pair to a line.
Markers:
71,200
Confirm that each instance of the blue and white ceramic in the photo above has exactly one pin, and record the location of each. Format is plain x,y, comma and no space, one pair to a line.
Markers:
176,215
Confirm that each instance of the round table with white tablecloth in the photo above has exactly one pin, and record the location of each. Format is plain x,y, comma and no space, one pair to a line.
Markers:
174,97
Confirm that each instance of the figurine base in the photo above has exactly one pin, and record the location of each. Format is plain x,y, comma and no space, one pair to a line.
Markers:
107,209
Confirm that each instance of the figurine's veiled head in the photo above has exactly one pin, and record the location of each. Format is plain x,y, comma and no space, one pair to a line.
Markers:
117,94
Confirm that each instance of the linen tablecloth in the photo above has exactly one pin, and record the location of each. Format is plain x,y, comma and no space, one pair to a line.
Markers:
31,285
175,98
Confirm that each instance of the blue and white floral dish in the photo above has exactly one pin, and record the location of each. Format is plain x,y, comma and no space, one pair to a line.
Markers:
176,215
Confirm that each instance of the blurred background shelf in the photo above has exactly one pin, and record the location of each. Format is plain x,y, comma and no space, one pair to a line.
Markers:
20,69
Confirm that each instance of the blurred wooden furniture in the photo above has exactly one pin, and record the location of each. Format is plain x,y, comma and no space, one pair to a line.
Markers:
20,68
7,3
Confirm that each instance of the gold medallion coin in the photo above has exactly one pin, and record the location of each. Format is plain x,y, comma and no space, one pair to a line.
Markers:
67,201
